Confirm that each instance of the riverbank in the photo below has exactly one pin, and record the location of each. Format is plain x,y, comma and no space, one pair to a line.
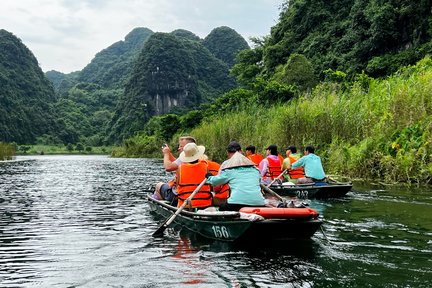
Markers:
62,150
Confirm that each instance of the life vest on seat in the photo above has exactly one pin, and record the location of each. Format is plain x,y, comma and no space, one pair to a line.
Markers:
297,172
256,158
273,168
189,177
221,191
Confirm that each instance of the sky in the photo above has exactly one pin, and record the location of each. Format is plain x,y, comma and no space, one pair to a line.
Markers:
65,35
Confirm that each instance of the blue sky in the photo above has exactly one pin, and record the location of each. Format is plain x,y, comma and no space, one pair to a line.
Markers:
64,35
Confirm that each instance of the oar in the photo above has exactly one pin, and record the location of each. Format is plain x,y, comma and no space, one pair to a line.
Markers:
275,179
270,191
162,228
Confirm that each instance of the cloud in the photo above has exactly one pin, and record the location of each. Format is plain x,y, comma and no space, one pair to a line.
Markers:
65,35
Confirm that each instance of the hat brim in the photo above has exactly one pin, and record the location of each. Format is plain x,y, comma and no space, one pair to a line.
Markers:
196,156
238,160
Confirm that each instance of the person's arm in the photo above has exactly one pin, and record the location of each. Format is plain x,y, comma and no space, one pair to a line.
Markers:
219,179
263,167
169,161
298,163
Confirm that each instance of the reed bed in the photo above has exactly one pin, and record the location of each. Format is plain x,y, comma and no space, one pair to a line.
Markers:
7,151
379,130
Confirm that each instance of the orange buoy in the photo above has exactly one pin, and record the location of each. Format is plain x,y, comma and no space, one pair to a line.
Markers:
282,213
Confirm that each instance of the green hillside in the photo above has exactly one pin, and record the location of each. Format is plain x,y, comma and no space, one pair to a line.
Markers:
173,73
225,43
26,95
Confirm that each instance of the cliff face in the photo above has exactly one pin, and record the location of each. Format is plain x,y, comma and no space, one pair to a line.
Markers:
173,72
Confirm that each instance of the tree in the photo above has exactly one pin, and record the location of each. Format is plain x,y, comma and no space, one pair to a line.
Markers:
79,147
298,71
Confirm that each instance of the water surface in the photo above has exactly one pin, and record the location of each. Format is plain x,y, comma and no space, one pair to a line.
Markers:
82,221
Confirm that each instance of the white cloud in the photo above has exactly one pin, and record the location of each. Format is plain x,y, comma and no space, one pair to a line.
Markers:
65,35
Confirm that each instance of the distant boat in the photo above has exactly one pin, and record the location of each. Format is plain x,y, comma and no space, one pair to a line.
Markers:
319,190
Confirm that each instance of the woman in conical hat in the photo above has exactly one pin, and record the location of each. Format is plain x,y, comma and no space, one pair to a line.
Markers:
244,181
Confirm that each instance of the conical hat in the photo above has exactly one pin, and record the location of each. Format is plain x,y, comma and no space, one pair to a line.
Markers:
238,160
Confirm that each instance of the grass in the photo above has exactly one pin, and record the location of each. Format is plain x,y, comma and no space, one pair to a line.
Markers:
7,151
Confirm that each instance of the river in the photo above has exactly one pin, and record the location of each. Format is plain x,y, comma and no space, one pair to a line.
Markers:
82,221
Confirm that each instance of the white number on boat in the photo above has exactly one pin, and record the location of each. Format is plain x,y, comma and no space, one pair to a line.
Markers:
302,194
220,232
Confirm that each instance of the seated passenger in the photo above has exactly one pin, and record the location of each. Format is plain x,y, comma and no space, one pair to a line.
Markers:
168,191
312,165
270,167
253,156
191,172
291,157
244,181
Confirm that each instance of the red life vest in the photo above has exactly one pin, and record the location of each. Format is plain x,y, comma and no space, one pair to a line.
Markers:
297,172
221,191
189,176
256,158
273,168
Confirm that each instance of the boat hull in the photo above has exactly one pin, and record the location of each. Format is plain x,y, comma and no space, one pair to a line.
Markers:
313,191
232,228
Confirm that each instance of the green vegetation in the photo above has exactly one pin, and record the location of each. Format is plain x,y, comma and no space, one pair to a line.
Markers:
225,43
26,96
171,75
7,151
374,36
368,128
62,149
378,129
329,74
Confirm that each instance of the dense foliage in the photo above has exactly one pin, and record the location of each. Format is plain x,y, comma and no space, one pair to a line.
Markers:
225,43
26,96
111,67
377,36
369,128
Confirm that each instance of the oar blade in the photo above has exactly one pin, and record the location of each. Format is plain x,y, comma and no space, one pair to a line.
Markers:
160,231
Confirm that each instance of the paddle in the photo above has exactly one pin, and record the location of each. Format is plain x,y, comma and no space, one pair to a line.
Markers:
280,175
268,190
167,222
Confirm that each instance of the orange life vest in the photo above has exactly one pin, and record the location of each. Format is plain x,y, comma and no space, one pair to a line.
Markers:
256,158
273,168
189,176
297,172
221,191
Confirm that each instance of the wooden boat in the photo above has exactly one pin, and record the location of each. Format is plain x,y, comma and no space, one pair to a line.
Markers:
319,190
235,226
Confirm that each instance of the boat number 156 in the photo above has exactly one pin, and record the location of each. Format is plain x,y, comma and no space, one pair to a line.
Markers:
220,232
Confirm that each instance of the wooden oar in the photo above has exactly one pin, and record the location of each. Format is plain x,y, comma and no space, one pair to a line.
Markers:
268,190
275,179
167,222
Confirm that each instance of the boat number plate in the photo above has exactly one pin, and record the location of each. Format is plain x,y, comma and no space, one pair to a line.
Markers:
220,232
302,194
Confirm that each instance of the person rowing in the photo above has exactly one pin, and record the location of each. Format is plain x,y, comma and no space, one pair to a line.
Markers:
314,171
244,181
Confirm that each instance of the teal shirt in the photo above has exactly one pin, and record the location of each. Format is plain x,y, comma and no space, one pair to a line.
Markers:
244,183
312,166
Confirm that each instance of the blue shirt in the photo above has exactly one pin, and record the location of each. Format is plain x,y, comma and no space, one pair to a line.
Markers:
244,183
312,166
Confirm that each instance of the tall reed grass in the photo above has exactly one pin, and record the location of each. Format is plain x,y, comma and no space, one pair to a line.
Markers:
379,130
7,151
